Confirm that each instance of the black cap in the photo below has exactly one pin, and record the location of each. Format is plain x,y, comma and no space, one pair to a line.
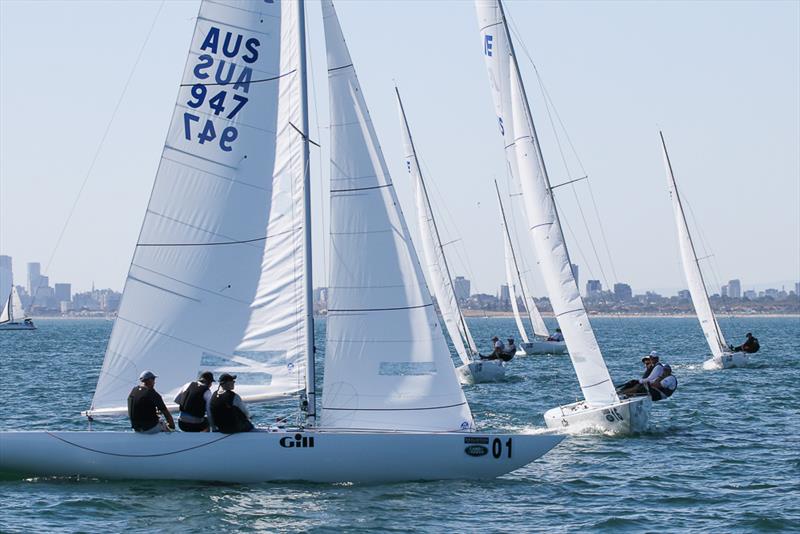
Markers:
495,338
225,377
206,376
749,334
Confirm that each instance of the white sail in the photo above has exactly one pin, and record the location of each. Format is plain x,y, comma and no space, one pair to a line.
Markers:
691,267
539,328
387,365
5,315
15,310
544,227
510,280
433,253
217,279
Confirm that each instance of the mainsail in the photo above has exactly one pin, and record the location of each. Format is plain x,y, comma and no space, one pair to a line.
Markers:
387,365
217,278
433,252
543,223
691,266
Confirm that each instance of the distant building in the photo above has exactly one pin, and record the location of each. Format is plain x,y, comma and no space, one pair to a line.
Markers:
63,292
797,288
723,291
750,294
461,286
734,289
6,278
594,288
505,295
34,274
576,276
623,292
685,294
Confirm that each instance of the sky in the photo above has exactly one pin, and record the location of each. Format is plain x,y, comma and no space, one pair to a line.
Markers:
83,122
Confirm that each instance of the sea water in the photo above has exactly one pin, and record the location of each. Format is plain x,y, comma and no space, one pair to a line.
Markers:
722,455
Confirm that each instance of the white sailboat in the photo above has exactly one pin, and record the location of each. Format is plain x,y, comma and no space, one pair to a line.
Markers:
722,356
12,317
540,343
472,370
221,281
601,407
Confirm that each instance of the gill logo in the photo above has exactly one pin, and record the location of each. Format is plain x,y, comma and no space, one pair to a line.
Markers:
298,441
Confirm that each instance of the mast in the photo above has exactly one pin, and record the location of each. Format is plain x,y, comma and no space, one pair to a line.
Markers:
689,236
464,330
311,397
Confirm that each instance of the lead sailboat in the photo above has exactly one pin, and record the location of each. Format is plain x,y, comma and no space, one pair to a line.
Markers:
540,344
472,370
722,356
221,281
601,407
12,317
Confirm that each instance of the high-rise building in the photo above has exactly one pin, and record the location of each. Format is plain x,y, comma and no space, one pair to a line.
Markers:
750,294
6,278
461,288
623,292
576,276
734,289
5,262
34,274
797,288
505,294
723,291
64,292
593,288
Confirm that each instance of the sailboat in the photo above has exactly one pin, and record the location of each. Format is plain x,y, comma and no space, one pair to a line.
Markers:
12,312
540,343
601,408
722,356
473,369
221,281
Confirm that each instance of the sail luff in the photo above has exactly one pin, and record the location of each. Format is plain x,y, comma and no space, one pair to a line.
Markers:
432,250
691,265
6,314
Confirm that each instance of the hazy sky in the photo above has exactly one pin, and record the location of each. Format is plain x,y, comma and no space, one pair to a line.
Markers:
722,79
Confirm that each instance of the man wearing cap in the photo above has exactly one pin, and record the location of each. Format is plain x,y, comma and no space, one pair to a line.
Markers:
665,386
749,346
509,350
144,406
229,414
194,401
653,371
497,350
556,336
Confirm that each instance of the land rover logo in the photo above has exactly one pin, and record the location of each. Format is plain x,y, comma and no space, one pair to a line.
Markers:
298,441
476,450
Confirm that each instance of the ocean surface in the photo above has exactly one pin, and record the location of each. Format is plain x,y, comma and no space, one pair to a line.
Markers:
722,455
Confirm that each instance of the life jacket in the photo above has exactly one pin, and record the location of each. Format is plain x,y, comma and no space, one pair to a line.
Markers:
194,401
668,392
142,408
228,419
752,347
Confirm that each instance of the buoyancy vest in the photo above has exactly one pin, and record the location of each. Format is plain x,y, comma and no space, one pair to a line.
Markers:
194,401
228,418
666,391
142,408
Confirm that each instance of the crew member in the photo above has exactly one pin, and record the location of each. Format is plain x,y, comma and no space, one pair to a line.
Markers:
665,386
509,351
653,372
194,400
229,413
556,336
497,350
749,346
145,405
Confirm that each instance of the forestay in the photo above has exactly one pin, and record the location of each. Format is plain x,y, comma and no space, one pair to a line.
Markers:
387,365
217,278
691,266
545,229
433,252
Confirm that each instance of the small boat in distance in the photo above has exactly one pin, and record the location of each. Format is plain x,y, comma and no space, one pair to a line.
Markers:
540,344
12,312
723,356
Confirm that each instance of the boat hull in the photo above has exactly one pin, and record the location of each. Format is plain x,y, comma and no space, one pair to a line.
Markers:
481,371
728,360
628,416
542,347
17,326
263,456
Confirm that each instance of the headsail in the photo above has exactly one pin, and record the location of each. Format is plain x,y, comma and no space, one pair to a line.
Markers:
387,365
691,266
217,279
543,223
433,253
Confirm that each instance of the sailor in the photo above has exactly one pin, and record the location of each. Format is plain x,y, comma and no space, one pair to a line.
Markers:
497,350
648,367
144,406
194,400
229,414
556,336
749,346
653,371
509,350
665,386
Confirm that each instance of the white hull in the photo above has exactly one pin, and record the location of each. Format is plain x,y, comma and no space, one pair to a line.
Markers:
727,361
17,326
625,417
481,371
318,456
542,347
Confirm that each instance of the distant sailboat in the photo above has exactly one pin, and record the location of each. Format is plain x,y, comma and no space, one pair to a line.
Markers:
472,370
221,281
539,344
722,355
12,316
601,407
